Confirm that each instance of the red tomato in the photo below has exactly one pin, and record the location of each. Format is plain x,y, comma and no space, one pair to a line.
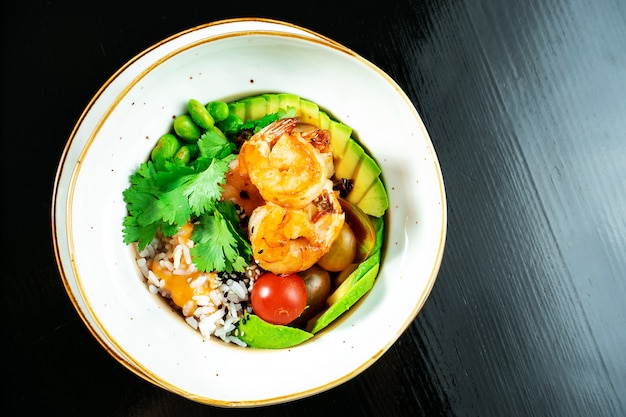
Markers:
278,299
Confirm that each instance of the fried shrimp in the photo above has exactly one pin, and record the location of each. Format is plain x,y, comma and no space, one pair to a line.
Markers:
320,139
287,240
239,189
286,164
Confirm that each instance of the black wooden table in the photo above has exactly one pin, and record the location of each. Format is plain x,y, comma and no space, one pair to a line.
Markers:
525,102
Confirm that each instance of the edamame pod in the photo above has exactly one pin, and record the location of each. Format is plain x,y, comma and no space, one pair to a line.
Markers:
186,129
231,124
200,114
164,150
186,153
218,109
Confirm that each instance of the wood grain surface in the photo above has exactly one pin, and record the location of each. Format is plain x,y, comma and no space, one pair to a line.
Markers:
525,103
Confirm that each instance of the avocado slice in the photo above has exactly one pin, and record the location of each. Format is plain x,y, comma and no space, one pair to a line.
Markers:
289,100
324,122
358,283
339,137
375,201
256,108
359,273
353,287
258,333
273,102
346,166
309,113
238,108
368,172
356,164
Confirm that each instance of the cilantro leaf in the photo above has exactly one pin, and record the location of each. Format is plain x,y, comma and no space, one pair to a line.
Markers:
213,144
133,232
205,189
173,207
168,199
219,245
141,199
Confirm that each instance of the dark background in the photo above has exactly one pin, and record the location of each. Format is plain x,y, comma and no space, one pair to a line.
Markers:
525,102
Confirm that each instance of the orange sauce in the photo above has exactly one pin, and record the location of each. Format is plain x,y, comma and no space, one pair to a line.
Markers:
178,285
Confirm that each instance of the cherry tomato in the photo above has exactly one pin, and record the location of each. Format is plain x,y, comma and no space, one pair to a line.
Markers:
278,299
341,252
317,283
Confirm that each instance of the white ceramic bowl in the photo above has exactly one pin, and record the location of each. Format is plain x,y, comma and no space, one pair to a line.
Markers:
228,60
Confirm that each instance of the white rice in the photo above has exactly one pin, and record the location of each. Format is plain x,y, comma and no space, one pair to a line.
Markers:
214,314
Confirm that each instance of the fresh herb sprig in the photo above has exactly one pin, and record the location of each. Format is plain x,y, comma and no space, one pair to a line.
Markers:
168,198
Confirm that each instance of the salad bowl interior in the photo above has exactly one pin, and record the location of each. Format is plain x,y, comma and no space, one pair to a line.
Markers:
229,61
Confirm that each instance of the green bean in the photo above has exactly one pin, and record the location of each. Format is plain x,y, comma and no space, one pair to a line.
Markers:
200,114
218,109
164,150
185,128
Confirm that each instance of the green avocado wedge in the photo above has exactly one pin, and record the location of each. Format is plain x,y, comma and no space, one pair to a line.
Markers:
353,288
258,333
348,293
